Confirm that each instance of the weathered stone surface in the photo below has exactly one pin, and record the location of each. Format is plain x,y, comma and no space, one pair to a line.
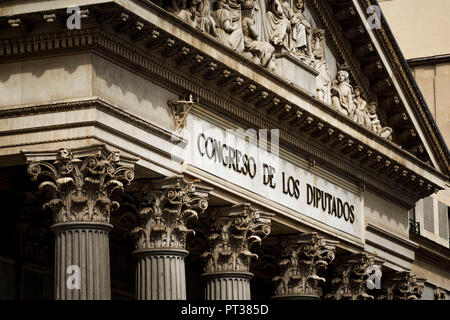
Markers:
303,263
166,208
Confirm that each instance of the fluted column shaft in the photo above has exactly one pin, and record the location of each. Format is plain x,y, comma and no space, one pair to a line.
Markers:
160,274
84,246
227,285
165,209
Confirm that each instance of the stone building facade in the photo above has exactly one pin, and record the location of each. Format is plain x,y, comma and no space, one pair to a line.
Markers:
162,150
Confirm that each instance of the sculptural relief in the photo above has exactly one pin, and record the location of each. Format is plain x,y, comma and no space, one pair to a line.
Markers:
301,31
196,13
227,16
348,100
269,24
375,123
323,80
260,52
360,114
278,24
342,93
260,28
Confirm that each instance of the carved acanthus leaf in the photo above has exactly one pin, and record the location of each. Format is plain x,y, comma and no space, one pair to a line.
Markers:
166,210
350,277
305,259
235,231
80,190
403,286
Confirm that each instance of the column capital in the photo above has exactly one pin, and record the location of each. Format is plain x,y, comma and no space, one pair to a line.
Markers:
304,258
403,285
440,293
80,189
166,207
233,232
350,277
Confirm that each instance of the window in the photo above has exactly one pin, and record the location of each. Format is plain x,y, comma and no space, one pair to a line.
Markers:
414,226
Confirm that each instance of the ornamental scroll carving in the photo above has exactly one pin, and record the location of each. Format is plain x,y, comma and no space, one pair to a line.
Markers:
304,261
166,209
234,232
403,286
350,277
80,190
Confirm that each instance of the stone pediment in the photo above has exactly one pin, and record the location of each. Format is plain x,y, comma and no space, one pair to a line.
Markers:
290,38
338,39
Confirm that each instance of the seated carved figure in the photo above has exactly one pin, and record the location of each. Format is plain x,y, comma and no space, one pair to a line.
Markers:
342,94
301,30
375,123
261,52
279,24
323,80
360,115
197,14
228,31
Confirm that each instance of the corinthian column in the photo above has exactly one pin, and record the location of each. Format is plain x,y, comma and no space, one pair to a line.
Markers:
80,192
351,279
167,206
233,233
305,258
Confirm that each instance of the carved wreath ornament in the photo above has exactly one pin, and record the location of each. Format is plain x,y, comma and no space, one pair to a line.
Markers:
80,190
165,214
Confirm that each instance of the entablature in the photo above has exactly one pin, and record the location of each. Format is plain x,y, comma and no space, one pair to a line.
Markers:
152,40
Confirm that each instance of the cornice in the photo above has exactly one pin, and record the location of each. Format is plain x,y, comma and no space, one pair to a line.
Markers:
88,104
403,71
392,237
157,69
431,251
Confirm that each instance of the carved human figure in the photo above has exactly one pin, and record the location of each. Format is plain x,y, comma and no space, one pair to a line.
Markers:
342,93
228,24
375,123
261,52
279,24
360,115
260,18
323,80
197,14
301,31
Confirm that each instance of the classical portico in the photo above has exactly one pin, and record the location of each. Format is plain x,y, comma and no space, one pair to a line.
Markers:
214,150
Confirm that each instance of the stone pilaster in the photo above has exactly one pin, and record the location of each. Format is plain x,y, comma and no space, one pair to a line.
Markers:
233,233
80,199
402,286
167,206
351,277
304,260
